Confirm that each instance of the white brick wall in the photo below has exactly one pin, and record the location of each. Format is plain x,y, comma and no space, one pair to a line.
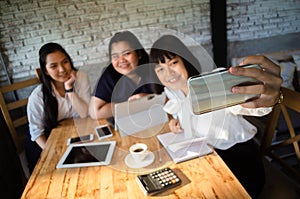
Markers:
254,19
82,26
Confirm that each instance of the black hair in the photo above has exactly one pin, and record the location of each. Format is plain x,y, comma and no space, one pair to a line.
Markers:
169,46
134,43
50,102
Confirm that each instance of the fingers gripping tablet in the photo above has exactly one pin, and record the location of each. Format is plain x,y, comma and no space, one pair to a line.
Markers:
212,91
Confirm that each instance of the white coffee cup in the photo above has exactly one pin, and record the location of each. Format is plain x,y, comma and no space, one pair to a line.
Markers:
138,151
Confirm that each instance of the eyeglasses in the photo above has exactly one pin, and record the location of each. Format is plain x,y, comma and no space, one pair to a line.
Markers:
126,53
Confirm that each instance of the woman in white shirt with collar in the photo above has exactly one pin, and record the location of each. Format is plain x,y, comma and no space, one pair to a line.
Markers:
226,130
64,92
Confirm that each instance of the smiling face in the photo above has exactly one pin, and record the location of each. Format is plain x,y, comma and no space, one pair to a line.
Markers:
124,59
172,73
58,66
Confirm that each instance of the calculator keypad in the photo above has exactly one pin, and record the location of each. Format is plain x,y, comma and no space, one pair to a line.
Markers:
165,177
158,181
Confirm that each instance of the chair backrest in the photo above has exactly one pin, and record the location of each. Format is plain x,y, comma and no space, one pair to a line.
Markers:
38,73
291,101
12,119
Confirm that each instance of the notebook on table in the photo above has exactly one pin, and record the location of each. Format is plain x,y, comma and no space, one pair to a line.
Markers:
181,149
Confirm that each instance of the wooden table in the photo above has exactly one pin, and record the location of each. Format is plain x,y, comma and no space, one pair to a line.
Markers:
204,177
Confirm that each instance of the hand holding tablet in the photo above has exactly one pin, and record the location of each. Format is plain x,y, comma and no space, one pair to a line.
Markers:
212,91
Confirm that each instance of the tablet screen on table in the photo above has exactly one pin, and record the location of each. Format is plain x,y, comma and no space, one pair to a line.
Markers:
87,154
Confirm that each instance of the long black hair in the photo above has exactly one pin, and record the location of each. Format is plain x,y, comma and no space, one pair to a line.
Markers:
50,102
169,46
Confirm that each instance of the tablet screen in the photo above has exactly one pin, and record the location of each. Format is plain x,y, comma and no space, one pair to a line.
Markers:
84,154
87,154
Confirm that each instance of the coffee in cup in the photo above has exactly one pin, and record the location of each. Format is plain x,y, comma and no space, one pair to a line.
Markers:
138,151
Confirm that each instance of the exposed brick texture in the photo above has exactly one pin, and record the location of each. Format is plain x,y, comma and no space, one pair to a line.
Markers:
83,27
254,19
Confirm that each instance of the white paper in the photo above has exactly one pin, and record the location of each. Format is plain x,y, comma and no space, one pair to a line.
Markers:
182,149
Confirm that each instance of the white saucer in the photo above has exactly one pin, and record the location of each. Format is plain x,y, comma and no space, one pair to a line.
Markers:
130,162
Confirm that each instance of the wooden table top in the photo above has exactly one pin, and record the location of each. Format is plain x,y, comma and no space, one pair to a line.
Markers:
204,177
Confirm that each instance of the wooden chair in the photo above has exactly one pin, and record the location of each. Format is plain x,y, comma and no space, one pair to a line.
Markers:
273,148
15,114
38,73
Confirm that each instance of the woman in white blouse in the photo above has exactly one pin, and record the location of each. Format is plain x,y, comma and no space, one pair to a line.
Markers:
226,130
64,92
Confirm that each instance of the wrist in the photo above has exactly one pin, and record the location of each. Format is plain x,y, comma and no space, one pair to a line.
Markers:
280,98
69,90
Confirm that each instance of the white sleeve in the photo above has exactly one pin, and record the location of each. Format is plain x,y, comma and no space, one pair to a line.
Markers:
172,101
239,110
35,113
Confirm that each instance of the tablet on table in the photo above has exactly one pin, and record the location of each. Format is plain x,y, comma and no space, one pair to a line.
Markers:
87,154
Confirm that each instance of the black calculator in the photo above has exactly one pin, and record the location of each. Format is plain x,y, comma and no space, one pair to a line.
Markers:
158,181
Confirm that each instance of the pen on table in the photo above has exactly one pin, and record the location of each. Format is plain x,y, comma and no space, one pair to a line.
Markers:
158,151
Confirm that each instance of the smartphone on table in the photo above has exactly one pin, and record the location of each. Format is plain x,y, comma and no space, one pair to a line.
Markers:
80,139
103,131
